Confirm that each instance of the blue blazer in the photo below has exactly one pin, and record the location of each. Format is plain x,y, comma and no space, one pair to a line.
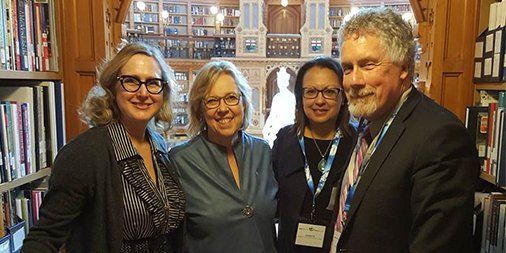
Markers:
221,217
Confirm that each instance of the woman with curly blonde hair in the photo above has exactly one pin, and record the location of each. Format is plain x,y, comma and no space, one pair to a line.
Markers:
112,188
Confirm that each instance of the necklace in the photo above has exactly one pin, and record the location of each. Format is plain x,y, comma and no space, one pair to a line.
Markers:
322,162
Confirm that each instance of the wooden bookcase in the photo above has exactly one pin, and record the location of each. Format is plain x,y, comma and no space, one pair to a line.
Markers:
185,73
191,30
338,12
492,89
32,120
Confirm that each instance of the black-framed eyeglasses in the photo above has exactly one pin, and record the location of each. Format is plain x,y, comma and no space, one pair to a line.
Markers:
328,93
132,84
229,99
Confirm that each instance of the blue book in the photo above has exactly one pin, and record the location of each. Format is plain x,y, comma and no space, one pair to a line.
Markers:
60,114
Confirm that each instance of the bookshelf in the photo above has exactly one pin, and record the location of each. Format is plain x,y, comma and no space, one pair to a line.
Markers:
488,96
177,21
181,118
29,76
185,74
490,86
185,30
41,174
336,17
338,12
488,119
32,115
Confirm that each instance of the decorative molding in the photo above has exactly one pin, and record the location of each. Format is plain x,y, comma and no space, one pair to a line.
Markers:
121,10
309,34
418,11
258,33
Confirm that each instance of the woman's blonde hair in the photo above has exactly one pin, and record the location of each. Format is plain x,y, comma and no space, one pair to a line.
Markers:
203,83
100,108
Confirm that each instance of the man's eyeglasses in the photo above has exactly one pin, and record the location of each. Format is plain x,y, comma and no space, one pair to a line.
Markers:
132,84
229,99
328,93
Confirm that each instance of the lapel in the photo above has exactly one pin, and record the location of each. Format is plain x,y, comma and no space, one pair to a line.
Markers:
170,168
383,150
216,157
294,170
156,203
295,161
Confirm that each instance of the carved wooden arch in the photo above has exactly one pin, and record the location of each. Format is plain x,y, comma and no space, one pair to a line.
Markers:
284,19
119,12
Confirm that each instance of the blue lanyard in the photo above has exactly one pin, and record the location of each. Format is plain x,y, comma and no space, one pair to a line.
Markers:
326,169
367,157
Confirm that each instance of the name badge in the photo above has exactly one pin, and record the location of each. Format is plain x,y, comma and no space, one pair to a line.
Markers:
311,235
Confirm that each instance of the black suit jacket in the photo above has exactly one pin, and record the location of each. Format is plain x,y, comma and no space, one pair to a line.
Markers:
288,162
416,195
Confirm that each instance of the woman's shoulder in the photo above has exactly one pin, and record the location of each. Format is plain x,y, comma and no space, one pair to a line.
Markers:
95,137
91,145
185,145
286,136
287,131
255,141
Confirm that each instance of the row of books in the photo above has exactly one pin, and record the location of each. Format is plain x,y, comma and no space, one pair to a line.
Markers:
25,35
490,221
486,125
20,205
497,15
31,128
20,211
230,12
490,47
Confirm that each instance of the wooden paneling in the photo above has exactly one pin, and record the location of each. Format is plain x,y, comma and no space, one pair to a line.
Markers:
418,10
83,46
119,12
284,19
452,42
450,87
455,32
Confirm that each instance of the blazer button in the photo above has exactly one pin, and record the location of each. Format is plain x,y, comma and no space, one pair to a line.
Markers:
342,250
248,211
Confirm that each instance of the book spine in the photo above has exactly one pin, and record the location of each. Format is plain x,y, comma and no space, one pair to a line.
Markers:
5,143
25,113
22,35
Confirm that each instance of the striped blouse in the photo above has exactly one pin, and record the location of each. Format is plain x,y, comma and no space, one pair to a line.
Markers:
148,209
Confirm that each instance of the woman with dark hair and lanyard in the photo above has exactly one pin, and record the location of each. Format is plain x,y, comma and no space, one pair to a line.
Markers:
310,156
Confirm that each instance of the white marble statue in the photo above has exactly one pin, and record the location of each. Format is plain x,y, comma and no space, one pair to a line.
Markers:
282,108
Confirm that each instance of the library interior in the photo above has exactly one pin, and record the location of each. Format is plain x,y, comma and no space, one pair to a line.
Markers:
50,51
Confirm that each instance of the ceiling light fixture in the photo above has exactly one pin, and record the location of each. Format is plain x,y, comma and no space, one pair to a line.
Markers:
141,5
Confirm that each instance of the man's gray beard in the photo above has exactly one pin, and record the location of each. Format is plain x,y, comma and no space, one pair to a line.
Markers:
360,110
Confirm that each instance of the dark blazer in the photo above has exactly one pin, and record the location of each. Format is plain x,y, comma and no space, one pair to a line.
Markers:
83,206
288,162
416,194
